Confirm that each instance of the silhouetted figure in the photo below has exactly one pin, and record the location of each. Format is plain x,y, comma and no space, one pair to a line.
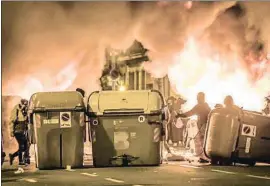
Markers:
201,110
229,104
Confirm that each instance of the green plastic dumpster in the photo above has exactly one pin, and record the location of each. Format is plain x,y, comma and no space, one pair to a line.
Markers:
58,120
126,127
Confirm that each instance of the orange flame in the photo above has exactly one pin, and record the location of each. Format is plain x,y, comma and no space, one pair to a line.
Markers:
32,84
191,73
188,5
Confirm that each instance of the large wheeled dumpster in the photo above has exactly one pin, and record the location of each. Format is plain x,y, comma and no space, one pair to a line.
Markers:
59,129
126,127
241,137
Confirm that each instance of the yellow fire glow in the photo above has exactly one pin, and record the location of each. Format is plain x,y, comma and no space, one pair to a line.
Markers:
31,84
122,88
192,73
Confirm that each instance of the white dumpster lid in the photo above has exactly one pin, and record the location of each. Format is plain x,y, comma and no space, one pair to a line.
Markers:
56,100
125,101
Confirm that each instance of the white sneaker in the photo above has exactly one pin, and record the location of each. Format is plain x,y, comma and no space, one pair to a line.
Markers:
19,171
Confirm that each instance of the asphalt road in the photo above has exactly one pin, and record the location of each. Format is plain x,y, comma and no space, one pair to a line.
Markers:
174,173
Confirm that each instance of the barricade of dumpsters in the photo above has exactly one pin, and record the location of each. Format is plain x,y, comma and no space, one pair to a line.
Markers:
125,128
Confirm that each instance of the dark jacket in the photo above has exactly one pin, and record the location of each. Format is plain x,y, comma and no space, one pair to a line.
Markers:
202,110
19,120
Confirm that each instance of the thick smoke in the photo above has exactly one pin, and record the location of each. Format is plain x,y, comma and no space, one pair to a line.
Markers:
42,38
60,46
258,16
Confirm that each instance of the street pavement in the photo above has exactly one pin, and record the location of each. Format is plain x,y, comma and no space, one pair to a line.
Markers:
169,173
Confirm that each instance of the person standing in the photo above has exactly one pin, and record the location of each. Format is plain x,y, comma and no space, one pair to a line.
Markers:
201,110
180,122
174,131
165,128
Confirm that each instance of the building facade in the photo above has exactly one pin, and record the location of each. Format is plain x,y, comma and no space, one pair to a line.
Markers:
125,69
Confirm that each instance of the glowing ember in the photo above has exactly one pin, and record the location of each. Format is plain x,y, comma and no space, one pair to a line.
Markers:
192,73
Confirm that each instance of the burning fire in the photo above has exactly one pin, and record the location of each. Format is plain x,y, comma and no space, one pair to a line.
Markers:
188,5
31,84
191,73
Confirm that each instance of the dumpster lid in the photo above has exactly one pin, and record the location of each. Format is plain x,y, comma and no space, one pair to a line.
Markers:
140,101
56,101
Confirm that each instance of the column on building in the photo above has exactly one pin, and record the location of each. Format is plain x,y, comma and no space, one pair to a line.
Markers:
137,78
127,78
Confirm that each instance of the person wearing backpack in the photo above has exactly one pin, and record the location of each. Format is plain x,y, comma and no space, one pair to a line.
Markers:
19,130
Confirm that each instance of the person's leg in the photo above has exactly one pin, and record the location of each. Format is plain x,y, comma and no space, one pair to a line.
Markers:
15,154
26,152
21,148
203,158
169,140
167,147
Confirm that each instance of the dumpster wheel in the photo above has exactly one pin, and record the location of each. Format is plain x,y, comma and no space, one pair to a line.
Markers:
225,162
214,161
126,159
252,163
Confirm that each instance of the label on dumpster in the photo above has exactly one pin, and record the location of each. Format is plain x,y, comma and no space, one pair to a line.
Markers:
247,148
50,121
141,119
248,130
121,140
65,119
133,135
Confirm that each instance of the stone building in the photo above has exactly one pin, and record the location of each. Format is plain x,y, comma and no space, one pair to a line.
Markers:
125,69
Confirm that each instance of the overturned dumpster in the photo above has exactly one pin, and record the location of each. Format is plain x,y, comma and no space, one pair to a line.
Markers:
240,137
58,129
126,127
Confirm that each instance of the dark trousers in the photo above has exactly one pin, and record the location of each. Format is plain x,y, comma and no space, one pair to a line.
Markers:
23,151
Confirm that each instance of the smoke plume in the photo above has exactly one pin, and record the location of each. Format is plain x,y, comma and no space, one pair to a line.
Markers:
60,46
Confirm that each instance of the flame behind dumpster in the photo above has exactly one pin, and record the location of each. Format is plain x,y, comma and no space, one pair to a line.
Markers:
191,73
